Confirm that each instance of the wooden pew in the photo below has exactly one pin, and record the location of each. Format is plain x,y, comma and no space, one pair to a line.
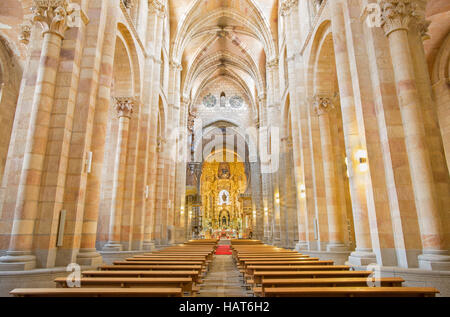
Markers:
252,268
192,274
97,292
285,264
141,267
327,282
259,275
185,283
350,292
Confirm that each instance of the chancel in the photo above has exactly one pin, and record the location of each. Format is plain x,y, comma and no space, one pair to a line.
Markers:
224,148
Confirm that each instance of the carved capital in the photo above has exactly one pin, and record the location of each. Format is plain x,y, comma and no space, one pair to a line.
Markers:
286,7
273,63
175,66
398,14
128,3
55,16
159,144
25,32
157,7
322,104
124,106
262,97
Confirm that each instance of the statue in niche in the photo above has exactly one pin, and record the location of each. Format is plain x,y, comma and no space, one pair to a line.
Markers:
224,171
223,100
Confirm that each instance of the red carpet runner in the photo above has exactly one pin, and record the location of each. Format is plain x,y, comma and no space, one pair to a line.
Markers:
223,250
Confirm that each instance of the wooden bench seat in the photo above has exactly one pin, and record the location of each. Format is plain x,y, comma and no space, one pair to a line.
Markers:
259,275
97,292
145,262
328,282
350,292
192,274
252,268
166,261
152,267
185,283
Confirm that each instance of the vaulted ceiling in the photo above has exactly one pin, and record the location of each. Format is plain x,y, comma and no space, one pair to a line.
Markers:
232,38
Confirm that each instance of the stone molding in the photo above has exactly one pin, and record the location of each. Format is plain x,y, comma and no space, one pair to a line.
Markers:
124,106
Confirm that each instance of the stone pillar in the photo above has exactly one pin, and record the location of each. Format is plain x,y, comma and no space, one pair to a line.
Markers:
299,119
124,107
396,18
154,33
363,254
53,16
323,105
88,254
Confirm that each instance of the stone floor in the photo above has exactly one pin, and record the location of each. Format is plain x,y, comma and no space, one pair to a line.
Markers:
223,279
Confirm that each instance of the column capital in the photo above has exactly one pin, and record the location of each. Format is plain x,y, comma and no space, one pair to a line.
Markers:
286,7
55,16
25,32
398,14
159,144
185,99
128,4
262,97
124,106
273,63
322,104
175,66
157,7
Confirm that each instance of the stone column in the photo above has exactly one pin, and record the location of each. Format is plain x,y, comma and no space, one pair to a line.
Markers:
396,18
155,29
323,105
88,254
363,254
124,107
53,16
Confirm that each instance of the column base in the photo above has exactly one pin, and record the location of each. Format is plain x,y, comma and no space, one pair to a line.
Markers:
112,246
17,261
336,247
362,257
301,246
434,260
89,257
148,245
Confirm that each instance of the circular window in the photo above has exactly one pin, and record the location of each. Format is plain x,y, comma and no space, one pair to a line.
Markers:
236,102
209,101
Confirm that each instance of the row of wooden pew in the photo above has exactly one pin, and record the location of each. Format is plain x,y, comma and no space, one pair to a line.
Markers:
175,271
276,272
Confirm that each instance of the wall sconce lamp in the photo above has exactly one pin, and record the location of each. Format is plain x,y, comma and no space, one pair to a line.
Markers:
302,191
254,213
277,198
346,170
361,157
182,210
266,211
89,162
147,191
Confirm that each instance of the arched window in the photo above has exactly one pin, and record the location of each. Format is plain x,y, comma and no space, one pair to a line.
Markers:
223,99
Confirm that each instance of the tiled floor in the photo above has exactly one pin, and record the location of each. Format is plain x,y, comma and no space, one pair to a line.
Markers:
223,279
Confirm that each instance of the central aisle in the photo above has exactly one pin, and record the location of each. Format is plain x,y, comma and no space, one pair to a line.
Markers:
223,279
